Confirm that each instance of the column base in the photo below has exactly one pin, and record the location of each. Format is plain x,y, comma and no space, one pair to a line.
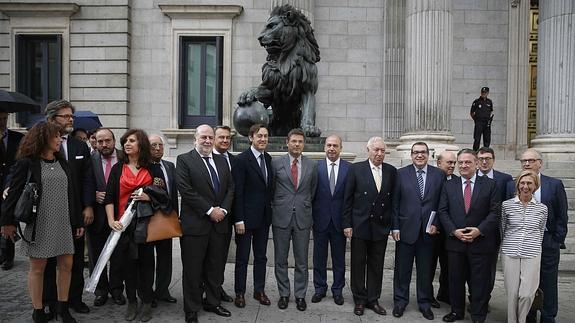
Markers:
437,143
555,148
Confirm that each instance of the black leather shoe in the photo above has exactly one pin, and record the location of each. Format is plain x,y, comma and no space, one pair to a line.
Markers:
435,304
80,307
428,314
398,311
262,298
224,297
100,300
283,303
119,299
337,299
377,308
359,309
8,264
192,317
154,303
300,304
316,298
169,299
219,310
452,317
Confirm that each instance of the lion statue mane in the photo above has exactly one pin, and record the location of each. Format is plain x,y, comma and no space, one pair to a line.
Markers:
289,76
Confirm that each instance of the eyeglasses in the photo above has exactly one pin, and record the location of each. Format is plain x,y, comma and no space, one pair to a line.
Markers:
485,159
156,145
530,161
65,116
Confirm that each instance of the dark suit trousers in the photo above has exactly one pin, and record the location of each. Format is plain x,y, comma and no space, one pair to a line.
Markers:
96,242
336,240
258,240
50,294
548,283
163,268
439,253
422,252
7,248
137,266
482,128
476,268
203,264
367,256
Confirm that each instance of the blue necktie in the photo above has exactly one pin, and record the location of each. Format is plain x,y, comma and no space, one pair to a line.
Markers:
213,175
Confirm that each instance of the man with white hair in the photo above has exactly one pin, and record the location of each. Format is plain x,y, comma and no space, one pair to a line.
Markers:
367,222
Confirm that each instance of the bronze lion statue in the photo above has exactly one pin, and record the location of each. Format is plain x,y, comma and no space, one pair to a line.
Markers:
289,76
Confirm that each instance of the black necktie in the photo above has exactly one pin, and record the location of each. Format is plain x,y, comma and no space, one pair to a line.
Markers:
213,175
263,167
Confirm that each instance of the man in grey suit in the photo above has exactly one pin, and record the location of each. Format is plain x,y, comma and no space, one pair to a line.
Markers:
296,180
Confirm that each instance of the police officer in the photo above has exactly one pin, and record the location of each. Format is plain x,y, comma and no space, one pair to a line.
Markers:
482,115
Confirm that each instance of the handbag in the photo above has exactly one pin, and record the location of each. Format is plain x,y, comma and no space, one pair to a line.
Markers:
538,300
27,205
163,226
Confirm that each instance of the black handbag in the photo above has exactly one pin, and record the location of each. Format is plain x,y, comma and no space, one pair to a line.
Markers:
27,205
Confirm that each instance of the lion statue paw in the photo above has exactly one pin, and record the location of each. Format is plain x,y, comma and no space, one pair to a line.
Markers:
311,130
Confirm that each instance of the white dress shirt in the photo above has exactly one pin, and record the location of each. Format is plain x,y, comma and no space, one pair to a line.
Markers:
335,168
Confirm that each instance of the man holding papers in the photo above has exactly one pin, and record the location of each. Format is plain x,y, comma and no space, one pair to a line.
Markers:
416,198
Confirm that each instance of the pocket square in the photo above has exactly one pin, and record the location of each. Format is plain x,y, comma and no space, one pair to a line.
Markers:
79,157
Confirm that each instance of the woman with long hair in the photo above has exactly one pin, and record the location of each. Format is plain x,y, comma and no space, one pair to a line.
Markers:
523,221
132,172
58,218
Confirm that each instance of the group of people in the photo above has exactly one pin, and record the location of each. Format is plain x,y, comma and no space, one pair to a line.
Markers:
432,215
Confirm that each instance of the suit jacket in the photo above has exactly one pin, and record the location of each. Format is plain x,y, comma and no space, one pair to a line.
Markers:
501,179
368,212
100,223
287,200
173,185
253,197
554,196
484,214
198,196
411,213
80,165
326,207
18,182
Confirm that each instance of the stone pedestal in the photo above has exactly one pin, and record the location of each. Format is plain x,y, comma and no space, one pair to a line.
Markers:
429,42
555,85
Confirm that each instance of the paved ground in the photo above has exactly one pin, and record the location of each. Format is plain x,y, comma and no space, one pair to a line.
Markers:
15,303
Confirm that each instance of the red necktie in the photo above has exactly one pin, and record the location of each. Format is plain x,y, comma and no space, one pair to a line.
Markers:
294,173
108,168
467,196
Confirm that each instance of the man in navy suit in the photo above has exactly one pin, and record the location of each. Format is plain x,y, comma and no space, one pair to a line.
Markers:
253,179
164,247
552,194
469,210
8,146
415,202
486,157
367,218
327,212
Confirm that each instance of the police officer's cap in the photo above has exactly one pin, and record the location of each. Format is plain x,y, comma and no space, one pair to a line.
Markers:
485,89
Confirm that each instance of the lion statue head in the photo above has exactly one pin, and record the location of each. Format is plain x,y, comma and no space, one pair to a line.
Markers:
289,76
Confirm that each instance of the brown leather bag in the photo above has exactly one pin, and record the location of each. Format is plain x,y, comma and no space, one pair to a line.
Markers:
163,226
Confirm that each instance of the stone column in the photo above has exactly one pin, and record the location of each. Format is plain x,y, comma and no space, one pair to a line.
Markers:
429,42
305,6
556,80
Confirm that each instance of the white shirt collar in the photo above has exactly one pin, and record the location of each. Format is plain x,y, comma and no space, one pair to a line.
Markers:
424,169
490,174
371,165
335,162
210,155
463,179
256,152
291,158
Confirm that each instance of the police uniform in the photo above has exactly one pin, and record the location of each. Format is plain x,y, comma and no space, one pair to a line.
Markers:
481,111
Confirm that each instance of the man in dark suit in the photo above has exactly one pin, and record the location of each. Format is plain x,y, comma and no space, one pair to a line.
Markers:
327,212
295,184
253,179
486,157
164,247
415,224
367,218
446,161
205,183
77,154
469,210
222,143
102,160
9,143
551,193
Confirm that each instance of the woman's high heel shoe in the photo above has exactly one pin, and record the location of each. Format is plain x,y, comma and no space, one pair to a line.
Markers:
39,316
